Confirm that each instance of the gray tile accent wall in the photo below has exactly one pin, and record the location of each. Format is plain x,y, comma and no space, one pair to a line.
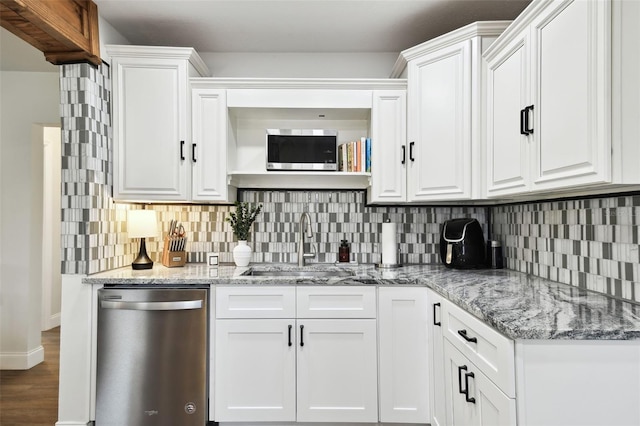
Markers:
93,227
589,243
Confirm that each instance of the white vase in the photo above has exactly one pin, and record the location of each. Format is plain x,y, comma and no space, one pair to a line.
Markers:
242,253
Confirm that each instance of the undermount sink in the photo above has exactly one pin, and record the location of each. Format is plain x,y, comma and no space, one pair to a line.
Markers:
309,274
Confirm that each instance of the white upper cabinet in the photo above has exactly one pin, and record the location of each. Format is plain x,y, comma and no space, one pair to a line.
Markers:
208,148
443,155
439,124
550,94
571,136
508,148
151,121
388,150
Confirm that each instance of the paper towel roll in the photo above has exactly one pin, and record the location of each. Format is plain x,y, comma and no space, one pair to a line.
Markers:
389,244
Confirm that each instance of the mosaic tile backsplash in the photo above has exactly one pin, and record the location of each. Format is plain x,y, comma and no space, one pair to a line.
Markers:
589,243
335,215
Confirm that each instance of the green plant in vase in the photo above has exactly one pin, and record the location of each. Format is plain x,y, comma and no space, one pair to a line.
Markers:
241,221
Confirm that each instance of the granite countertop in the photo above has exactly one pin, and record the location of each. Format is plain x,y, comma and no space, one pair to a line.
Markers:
518,305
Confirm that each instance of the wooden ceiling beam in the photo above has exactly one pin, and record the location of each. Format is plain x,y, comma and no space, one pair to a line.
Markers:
66,31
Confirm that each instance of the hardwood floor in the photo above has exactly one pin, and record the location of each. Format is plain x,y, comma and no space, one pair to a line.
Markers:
30,397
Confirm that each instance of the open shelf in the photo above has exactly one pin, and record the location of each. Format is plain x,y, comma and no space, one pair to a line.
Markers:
299,179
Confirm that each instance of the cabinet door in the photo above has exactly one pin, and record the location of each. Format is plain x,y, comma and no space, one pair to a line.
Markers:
403,355
507,95
571,77
337,378
208,150
388,147
436,370
439,125
150,129
471,398
255,370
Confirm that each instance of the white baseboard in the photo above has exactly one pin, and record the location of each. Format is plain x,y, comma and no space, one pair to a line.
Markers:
21,360
72,424
52,322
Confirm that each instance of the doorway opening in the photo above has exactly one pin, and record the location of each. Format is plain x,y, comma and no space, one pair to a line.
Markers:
51,222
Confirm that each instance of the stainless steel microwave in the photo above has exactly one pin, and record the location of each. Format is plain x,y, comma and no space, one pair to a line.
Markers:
302,149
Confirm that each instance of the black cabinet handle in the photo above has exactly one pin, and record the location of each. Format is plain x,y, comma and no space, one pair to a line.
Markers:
463,333
523,112
404,154
435,321
290,342
466,387
302,335
182,150
461,368
411,144
193,152
527,129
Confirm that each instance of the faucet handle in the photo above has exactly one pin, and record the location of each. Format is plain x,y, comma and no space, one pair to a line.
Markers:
313,251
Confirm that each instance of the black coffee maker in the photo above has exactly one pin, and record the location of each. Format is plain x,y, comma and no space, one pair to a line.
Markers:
462,244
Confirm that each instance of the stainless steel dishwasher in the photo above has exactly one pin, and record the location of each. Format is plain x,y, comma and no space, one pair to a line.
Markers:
151,357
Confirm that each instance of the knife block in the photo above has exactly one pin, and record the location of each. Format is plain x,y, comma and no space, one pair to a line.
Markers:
172,259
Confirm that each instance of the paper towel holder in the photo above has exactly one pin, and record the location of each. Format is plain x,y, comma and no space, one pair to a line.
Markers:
389,265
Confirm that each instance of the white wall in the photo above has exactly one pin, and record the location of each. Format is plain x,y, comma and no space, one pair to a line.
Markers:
25,99
108,35
51,243
300,65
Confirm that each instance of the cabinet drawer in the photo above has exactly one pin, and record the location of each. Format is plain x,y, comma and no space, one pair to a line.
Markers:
336,302
255,302
489,350
471,398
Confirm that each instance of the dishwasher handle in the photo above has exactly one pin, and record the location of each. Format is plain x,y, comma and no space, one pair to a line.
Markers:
178,305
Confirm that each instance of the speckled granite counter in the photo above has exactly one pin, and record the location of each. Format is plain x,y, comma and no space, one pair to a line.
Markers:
518,305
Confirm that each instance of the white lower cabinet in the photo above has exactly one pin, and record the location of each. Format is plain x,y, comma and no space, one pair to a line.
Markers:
472,399
295,369
255,370
337,370
436,353
403,325
473,369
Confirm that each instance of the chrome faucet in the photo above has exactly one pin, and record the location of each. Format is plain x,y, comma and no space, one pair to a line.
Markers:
301,254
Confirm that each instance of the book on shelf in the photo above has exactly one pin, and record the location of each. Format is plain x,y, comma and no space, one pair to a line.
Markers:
354,166
363,154
367,161
355,156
